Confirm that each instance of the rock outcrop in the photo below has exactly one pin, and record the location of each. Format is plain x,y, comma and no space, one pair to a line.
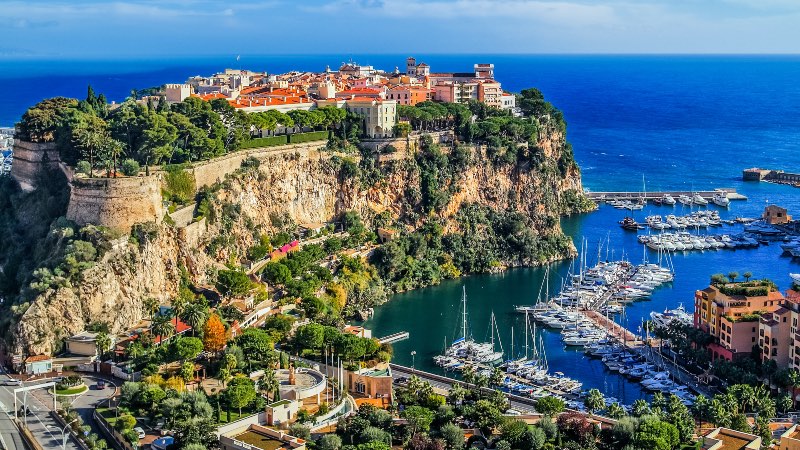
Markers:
302,186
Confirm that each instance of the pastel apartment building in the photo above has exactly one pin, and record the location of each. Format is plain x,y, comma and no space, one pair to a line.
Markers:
733,320
409,95
726,439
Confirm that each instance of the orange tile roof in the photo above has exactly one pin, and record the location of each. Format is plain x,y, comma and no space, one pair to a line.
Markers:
37,358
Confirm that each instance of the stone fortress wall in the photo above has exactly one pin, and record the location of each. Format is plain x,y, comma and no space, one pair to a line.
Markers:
29,158
117,203
121,202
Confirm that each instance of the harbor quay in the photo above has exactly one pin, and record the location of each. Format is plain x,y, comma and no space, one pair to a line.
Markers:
601,196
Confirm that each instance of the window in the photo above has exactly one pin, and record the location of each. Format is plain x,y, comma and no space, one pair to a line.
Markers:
360,387
774,352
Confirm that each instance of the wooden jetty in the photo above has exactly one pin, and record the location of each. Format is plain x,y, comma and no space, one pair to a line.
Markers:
633,195
394,337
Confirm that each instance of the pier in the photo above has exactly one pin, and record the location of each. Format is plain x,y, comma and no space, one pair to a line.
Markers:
394,337
771,176
633,195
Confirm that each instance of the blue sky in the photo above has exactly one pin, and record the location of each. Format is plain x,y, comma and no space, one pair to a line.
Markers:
141,28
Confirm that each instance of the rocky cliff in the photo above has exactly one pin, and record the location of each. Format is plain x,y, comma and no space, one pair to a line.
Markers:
305,186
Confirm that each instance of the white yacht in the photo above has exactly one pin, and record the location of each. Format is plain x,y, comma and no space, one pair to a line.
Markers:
667,200
721,199
685,200
698,200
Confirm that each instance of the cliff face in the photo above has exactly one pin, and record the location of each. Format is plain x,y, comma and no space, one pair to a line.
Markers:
112,292
301,187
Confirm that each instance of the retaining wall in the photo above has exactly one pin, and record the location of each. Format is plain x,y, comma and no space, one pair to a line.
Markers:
116,202
209,172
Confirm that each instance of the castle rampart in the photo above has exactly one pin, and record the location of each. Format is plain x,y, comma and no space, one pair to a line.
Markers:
116,202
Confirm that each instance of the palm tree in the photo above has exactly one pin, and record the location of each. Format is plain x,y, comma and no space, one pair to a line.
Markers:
594,401
269,385
150,307
194,314
177,305
747,275
702,408
468,375
102,342
733,276
615,411
163,327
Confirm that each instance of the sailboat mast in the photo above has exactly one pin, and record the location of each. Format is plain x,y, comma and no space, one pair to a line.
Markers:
464,312
526,334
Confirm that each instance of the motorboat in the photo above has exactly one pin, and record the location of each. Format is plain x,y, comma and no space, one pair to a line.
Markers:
721,199
699,200
668,200
628,223
685,200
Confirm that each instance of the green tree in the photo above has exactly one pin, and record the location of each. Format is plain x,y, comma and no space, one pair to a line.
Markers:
747,275
257,346
310,336
419,418
733,276
277,273
550,406
299,430
329,442
187,348
233,282
240,392
453,436
187,371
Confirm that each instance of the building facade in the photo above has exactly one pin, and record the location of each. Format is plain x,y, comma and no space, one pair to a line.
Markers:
379,115
733,320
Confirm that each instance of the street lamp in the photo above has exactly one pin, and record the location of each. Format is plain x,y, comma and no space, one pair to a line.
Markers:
63,433
413,355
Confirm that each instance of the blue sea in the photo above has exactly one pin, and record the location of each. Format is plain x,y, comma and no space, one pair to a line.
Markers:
679,122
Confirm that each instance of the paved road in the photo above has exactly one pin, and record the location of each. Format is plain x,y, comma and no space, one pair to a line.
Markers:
521,404
40,402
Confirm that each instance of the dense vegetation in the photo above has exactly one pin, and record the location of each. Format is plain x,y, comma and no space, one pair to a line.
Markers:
92,136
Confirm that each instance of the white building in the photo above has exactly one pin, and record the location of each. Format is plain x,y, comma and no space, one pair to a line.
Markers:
176,93
379,115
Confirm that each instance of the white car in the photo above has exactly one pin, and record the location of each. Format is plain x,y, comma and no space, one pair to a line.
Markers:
140,432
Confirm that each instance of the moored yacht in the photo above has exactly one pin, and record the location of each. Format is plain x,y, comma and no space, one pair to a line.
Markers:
721,199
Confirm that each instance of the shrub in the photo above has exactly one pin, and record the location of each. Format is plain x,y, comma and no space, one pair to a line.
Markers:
125,422
265,142
129,167
179,185
83,167
307,137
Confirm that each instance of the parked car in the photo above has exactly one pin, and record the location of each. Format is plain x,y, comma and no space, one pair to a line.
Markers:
12,382
401,380
100,385
140,432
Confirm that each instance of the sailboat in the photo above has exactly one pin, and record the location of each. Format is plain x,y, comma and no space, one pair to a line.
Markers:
466,349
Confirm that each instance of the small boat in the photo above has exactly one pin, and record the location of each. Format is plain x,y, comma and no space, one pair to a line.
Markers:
630,224
698,200
668,200
685,200
721,199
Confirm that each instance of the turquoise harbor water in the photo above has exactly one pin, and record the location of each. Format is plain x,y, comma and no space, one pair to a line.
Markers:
684,122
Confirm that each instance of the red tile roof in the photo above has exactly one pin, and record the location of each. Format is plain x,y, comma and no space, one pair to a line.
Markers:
37,358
